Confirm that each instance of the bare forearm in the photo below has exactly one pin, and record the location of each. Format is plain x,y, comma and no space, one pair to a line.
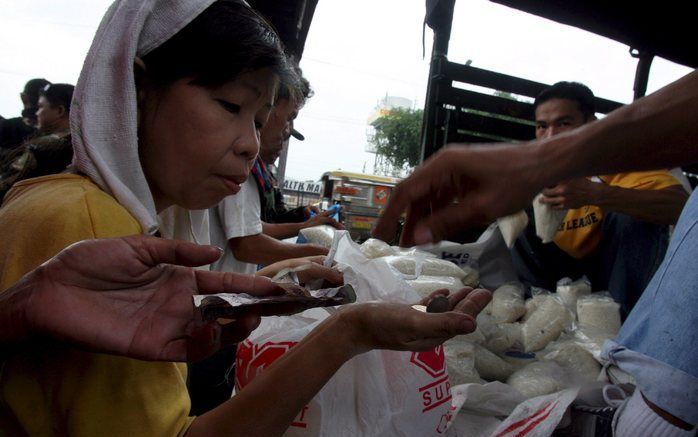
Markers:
263,249
657,131
268,405
655,206
281,230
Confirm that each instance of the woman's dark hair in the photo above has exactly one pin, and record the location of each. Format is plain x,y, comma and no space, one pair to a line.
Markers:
58,94
224,41
574,91
298,92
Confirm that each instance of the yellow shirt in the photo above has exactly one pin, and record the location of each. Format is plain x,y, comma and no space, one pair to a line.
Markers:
580,231
48,389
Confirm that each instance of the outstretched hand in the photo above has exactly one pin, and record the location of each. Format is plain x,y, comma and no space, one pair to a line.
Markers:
133,296
460,186
401,327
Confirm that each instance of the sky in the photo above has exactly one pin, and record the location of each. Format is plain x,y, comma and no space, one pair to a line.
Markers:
356,53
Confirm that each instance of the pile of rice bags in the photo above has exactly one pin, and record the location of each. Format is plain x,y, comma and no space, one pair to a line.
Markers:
540,345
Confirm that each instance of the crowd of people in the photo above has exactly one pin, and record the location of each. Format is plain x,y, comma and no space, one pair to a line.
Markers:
107,221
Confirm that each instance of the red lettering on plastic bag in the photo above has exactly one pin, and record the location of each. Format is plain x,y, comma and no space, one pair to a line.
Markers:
252,359
438,392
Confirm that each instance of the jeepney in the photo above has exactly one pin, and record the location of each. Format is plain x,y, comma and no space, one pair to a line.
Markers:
362,198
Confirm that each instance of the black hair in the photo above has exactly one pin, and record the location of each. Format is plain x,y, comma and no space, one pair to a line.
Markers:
32,88
225,40
58,94
298,92
575,91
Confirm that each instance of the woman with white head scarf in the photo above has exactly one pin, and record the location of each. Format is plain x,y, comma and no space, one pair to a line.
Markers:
166,118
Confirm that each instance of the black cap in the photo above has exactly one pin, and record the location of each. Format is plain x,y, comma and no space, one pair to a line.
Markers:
297,135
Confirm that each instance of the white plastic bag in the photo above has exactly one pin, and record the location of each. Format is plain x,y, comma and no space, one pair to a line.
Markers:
547,219
413,387
511,227
537,417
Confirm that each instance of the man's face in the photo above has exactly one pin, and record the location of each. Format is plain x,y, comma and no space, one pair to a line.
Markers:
556,116
277,130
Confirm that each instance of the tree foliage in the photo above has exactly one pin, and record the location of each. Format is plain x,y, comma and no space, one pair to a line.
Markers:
398,136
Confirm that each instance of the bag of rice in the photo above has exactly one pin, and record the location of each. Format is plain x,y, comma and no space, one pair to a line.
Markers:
499,337
425,285
570,355
321,235
489,366
508,303
375,248
545,324
511,227
547,219
413,265
570,291
539,378
599,311
460,359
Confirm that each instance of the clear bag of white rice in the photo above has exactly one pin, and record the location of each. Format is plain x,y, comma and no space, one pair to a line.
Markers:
547,219
546,324
375,248
540,378
568,354
508,303
538,295
415,265
321,235
460,359
570,291
472,276
599,311
425,285
490,366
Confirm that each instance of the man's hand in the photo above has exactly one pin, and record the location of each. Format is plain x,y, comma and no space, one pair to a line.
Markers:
309,210
477,178
132,296
322,218
573,194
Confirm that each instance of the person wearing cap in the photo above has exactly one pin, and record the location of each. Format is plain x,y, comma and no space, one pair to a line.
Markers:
278,220
13,131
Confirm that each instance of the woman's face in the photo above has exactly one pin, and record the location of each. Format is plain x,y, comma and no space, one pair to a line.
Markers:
197,144
48,116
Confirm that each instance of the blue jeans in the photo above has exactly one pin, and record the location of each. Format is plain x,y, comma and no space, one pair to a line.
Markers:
629,253
658,343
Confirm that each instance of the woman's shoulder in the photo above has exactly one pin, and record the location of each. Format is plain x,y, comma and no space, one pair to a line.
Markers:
69,198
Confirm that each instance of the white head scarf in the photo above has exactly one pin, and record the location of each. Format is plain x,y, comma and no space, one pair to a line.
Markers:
103,114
